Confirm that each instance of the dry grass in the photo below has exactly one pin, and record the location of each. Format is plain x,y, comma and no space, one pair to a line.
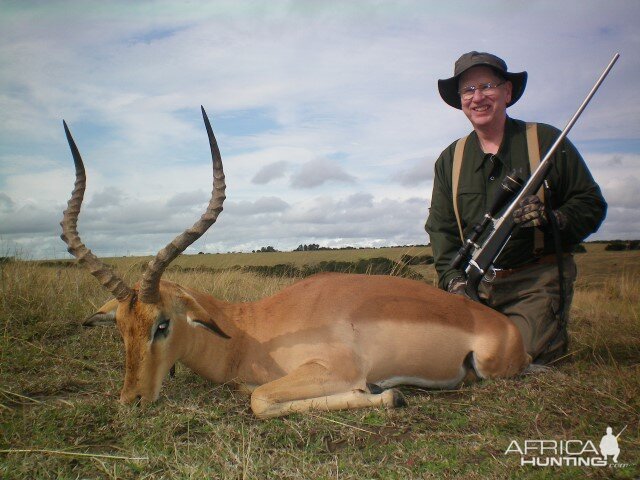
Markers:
59,383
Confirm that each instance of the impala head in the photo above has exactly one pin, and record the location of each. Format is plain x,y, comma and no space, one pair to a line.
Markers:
153,317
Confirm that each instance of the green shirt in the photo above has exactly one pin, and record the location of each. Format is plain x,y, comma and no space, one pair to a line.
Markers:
573,192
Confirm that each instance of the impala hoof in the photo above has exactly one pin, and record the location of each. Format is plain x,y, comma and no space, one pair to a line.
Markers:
398,399
394,398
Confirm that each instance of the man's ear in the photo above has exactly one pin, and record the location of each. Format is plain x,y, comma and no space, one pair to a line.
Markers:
199,316
509,87
106,315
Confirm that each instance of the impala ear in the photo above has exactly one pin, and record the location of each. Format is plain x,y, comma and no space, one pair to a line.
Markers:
199,316
106,315
212,326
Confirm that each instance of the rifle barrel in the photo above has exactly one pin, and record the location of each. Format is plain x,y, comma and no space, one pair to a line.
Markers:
545,161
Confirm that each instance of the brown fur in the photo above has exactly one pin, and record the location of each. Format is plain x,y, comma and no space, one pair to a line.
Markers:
318,342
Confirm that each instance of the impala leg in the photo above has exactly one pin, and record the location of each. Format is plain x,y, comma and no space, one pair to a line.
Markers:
501,357
313,387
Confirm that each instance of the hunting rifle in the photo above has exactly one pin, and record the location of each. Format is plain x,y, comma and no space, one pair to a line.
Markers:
496,229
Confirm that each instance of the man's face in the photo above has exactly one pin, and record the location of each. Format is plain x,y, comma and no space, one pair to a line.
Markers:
485,109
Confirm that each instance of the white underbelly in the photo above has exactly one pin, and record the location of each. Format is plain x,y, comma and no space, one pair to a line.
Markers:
424,382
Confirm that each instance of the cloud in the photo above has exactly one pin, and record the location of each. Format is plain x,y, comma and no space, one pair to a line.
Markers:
5,202
28,219
316,172
340,98
622,192
616,161
418,174
263,205
270,172
106,198
188,199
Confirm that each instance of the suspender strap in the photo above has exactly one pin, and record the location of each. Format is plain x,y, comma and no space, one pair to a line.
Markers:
534,160
455,179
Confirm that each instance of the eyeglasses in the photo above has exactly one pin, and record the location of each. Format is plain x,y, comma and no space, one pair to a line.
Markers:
485,88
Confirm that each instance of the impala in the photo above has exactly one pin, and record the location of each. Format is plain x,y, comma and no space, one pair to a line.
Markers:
328,342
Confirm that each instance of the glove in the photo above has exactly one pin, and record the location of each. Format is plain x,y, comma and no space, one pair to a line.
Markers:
457,286
530,213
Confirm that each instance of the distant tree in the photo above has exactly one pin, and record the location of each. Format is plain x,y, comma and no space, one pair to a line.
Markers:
311,247
619,245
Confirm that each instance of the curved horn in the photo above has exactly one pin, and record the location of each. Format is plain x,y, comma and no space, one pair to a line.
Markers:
149,288
69,223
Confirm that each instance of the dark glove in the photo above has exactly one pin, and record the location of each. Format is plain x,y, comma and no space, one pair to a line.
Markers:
457,286
530,213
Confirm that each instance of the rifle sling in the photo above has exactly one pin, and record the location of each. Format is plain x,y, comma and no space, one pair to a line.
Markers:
533,149
455,180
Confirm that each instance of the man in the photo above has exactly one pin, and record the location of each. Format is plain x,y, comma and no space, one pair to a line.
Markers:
526,286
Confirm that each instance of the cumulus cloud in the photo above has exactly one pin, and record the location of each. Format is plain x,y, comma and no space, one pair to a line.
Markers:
615,161
418,174
28,219
107,198
316,172
188,199
260,206
622,192
270,172
5,202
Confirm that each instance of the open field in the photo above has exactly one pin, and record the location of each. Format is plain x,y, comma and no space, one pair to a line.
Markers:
59,384
299,259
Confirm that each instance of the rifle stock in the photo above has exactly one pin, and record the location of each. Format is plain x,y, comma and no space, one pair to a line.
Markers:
501,228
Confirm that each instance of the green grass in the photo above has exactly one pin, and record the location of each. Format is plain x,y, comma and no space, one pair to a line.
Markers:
59,385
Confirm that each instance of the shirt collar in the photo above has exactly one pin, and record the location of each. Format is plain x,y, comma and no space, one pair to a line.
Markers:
479,156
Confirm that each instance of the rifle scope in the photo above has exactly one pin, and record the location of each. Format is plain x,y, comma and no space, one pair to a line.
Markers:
509,187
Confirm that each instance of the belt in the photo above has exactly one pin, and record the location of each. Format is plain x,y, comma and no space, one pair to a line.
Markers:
550,259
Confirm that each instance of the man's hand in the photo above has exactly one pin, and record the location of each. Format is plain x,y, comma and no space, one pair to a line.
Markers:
457,286
530,213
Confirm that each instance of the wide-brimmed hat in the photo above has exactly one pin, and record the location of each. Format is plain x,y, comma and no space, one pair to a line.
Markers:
448,88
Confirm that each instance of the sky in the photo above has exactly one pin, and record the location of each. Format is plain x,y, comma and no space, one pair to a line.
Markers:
326,113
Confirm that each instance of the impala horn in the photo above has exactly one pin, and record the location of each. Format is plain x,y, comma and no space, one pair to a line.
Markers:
69,223
150,285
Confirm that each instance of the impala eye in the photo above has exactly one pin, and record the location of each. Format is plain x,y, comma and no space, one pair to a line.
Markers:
162,330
